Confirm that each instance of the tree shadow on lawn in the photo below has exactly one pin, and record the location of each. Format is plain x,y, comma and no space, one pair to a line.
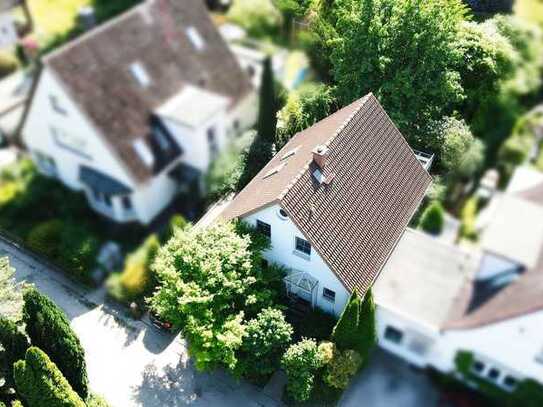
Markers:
171,387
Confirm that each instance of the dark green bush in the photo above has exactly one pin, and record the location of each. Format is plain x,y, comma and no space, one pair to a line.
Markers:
15,344
345,334
41,383
367,331
8,63
49,329
45,237
433,218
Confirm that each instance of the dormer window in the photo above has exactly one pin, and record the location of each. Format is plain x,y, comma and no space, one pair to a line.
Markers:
140,74
161,138
195,38
144,152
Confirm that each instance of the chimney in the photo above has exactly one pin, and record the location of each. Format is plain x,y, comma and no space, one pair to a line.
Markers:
87,18
320,154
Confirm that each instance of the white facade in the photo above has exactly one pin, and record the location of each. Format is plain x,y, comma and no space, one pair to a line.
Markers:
283,251
60,139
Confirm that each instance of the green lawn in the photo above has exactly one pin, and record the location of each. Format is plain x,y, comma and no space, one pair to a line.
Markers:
531,10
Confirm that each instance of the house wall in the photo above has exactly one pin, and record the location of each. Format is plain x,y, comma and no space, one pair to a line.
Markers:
283,233
243,116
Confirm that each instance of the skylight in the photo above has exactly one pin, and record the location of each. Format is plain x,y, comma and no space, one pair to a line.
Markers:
319,176
290,153
195,38
274,170
144,152
140,74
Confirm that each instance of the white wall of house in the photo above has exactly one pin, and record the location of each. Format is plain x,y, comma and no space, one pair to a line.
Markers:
243,116
282,251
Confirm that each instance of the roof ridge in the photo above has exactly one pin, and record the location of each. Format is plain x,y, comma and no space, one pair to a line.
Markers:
297,177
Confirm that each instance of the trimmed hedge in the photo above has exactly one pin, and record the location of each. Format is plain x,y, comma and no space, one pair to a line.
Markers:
15,344
433,218
49,329
41,384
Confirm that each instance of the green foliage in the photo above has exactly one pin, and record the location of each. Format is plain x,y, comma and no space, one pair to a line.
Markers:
136,280
209,281
44,238
8,63
301,363
304,107
528,393
11,297
367,326
462,155
106,9
97,401
341,368
384,42
14,344
315,324
267,118
463,361
40,382
266,338
49,329
345,333
468,216
259,17
433,218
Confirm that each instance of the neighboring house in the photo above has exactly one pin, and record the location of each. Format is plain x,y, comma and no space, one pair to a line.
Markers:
135,110
14,94
435,300
334,202
10,29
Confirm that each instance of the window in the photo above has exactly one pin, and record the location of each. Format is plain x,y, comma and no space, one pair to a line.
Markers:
212,140
101,198
283,214
140,74
393,335
510,382
195,38
303,246
127,203
251,71
263,228
493,374
161,138
46,164
478,366
328,294
144,152
57,107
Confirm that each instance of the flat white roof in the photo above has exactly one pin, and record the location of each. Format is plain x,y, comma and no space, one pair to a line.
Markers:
524,178
423,278
192,106
516,230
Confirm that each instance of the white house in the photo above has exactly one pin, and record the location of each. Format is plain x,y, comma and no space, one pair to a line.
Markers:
436,299
335,201
134,111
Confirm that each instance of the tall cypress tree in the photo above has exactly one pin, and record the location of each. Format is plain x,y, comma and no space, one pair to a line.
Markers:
367,332
267,112
49,329
41,384
15,345
345,333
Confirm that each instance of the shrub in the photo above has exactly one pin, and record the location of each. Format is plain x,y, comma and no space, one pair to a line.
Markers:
528,393
468,216
45,238
258,17
266,338
78,251
433,218
367,326
8,63
15,344
136,279
41,383
345,334
342,367
176,222
49,329
301,362
97,401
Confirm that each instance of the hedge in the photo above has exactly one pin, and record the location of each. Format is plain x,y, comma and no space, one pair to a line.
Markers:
15,345
41,384
49,329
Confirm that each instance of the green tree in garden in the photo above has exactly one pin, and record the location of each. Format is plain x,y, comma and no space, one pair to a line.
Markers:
49,329
267,108
11,297
432,218
393,48
41,384
210,280
367,331
266,338
345,333
14,344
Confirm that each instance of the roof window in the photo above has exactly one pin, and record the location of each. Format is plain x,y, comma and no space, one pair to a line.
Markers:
274,170
140,74
195,38
144,152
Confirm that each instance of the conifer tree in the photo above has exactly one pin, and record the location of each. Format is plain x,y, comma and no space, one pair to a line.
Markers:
345,333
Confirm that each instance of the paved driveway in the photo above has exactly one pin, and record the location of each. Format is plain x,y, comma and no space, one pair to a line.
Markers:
390,382
129,362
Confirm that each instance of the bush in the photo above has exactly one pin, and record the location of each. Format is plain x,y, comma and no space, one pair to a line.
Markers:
367,326
15,344
78,251
342,367
45,238
136,279
176,222
259,17
49,329
301,362
266,338
433,218
345,334
8,63
97,401
41,383
468,217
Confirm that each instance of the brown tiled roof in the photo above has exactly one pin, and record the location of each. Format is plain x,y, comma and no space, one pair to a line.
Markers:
521,297
355,221
95,69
